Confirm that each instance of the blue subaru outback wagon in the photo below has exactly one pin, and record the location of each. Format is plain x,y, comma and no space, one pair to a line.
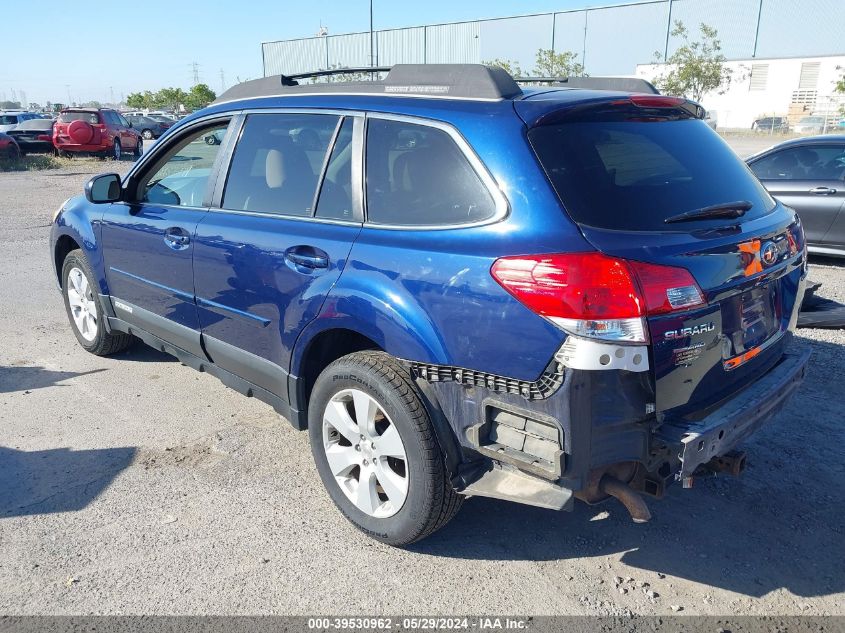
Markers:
459,287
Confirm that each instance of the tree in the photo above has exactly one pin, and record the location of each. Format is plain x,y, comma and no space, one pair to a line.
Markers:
199,96
551,64
10,105
170,98
509,65
140,100
695,68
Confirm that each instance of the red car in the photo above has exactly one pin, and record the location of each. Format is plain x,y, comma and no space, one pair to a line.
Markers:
9,147
95,131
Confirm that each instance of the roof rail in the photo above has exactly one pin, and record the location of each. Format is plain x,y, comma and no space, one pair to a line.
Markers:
293,80
622,84
450,81
447,81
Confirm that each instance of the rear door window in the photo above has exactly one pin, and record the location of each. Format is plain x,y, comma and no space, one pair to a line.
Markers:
417,175
632,175
822,162
335,201
277,163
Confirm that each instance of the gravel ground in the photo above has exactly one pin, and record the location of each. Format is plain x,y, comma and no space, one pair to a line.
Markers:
135,485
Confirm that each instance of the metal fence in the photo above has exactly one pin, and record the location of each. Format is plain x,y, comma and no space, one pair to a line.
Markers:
607,40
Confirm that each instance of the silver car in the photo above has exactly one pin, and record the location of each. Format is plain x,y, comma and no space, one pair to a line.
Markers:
808,174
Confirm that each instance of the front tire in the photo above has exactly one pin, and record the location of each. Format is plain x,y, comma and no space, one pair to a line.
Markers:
84,311
139,148
375,450
147,134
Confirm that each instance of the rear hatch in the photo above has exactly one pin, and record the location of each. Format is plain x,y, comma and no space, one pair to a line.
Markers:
78,127
646,180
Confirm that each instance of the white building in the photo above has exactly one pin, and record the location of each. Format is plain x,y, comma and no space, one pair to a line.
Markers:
772,87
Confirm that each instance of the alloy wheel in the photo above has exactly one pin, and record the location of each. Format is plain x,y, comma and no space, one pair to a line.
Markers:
83,307
365,453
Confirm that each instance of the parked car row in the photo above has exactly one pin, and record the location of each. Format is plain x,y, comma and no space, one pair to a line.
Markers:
93,131
814,124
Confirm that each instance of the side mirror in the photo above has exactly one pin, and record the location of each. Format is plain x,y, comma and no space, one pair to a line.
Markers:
103,188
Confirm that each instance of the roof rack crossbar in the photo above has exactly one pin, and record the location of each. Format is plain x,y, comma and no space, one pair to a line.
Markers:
293,80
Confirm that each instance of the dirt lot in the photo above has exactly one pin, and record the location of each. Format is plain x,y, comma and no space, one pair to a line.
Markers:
135,485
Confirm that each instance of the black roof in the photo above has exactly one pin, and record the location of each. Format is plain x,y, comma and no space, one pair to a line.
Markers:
450,81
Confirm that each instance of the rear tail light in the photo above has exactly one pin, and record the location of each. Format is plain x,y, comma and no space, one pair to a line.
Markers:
44,137
595,295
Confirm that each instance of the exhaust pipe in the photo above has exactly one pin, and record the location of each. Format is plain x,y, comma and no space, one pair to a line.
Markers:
732,463
632,501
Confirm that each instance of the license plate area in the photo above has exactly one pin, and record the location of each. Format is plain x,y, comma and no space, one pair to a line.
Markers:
757,318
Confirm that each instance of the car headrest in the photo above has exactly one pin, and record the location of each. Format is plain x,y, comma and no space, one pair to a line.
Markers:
274,169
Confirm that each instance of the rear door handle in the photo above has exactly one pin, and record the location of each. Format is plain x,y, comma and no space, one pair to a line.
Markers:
176,238
307,257
823,191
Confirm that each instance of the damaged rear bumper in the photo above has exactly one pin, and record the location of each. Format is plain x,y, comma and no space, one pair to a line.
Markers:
697,443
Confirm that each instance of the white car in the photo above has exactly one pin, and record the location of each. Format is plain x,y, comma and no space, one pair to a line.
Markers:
809,125
8,120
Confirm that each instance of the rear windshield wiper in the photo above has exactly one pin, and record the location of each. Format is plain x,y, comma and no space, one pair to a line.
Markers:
724,210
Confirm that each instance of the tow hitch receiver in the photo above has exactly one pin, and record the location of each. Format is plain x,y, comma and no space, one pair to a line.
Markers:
732,463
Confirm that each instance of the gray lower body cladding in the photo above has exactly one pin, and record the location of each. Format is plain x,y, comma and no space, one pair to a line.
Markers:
600,416
603,423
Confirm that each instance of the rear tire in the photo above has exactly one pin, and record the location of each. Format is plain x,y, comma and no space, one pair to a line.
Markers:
117,150
139,148
398,425
84,309
147,134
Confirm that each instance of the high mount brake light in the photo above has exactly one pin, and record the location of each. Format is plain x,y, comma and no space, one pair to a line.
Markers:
656,101
595,295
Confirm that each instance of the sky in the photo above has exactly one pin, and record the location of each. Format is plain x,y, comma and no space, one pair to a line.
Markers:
87,53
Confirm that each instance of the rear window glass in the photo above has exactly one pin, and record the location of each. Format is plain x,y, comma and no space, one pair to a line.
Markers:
632,175
88,117
36,124
8,119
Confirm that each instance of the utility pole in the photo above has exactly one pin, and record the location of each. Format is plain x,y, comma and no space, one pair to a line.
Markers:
372,48
69,100
111,93
195,69
222,81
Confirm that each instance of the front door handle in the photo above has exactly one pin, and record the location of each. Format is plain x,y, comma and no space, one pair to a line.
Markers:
176,238
823,191
307,257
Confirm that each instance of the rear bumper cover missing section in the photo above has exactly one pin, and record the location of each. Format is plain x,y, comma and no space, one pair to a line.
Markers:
699,442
